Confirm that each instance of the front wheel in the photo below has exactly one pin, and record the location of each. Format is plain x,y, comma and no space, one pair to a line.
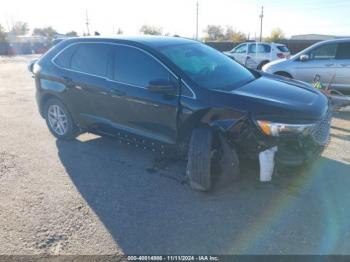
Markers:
199,159
59,120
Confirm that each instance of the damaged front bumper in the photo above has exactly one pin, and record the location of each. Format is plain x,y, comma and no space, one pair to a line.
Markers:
292,149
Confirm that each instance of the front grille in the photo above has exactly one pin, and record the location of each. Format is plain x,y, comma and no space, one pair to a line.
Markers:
320,132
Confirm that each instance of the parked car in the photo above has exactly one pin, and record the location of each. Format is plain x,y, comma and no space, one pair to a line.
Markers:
163,92
256,54
330,59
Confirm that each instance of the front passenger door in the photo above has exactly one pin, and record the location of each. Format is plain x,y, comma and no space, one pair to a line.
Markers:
141,111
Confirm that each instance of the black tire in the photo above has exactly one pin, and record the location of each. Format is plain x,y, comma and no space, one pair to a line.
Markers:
199,159
260,66
70,130
284,74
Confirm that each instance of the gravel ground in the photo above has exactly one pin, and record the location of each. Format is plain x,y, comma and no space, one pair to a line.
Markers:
96,196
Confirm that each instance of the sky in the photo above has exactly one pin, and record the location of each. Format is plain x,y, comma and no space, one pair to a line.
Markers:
179,16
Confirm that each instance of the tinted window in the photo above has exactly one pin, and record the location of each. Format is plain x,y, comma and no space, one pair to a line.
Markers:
64,59
91,59
133,66
242,49
282,48
208,67
343,51
259,48
323,52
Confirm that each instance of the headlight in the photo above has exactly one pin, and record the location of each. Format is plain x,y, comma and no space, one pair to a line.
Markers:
276,129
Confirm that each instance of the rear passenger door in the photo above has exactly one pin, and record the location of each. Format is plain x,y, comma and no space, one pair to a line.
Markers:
85,68
342,80
143,112
321,61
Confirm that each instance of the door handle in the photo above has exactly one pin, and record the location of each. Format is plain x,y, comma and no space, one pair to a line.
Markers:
344,65
329,64
68,81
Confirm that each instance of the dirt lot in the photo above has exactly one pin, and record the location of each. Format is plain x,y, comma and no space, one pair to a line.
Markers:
96,196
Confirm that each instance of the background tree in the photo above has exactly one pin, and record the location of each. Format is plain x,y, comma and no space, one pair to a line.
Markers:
20,28
72,34
2,34
214,33
151,30
119,32
276,35
48,32
233,35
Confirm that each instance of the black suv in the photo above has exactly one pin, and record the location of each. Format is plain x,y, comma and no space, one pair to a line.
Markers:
164,92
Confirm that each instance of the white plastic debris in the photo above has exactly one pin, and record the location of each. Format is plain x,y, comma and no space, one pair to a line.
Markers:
267,164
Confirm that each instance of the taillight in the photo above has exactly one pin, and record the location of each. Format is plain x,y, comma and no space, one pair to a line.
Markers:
280,55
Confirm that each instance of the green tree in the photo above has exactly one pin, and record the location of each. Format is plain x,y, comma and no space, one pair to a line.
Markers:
20,28
2,34
214,33
276,35
151,30
233,35
72,34
48,32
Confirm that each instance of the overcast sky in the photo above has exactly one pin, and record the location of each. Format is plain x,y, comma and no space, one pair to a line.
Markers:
178,16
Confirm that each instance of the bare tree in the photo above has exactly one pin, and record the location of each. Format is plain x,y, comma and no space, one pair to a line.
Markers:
2,34
233,35
214,33
20,28
48,32
276,35
151,30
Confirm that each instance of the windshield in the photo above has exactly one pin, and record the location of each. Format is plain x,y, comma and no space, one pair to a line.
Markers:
207,67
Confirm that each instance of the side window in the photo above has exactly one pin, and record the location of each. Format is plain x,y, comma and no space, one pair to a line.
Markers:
267,48
324,52
259,48
242,49
64,59
343,51
91,59
135,67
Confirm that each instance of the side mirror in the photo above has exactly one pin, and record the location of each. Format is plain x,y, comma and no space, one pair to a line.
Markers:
304,58
161,86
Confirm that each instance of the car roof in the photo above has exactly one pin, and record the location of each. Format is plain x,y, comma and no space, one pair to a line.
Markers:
151,41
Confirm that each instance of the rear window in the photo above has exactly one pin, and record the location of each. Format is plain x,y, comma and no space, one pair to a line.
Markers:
89,58
283,48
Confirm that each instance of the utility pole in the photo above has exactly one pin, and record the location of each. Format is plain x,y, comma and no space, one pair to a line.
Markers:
261,21
197,7
87,23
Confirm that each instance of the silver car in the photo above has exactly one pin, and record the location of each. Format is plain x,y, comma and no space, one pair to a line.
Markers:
330,59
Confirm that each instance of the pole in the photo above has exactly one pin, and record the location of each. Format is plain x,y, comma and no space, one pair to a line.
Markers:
261,21
87,23
197,7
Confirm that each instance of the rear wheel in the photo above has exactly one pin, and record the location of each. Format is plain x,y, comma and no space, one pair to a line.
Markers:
199,159
59,120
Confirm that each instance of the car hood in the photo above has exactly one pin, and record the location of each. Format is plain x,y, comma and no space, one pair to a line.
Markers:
279,99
